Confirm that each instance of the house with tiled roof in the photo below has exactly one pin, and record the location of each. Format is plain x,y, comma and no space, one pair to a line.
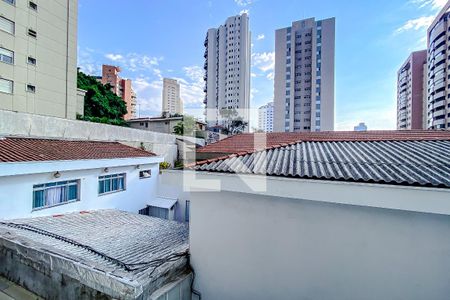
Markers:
41,177
321,216
248,142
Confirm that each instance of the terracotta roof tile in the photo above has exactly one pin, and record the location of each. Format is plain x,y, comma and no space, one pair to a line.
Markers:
250,142
13,149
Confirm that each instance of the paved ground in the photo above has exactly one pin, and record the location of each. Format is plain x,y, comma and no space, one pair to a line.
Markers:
11,291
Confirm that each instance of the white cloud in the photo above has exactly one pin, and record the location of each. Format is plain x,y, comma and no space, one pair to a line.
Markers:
192,87
271,76
114,57
416,24
244,11
264,61
135,62
433,4
260,37
243,2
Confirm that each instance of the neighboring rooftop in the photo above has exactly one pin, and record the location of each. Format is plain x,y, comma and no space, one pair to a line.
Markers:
16,149
119,254
393,158
248,142
160,119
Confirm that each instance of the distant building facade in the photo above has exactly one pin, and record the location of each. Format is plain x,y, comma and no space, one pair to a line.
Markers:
121,87
171,101
411,94
265,117
438,110
360,127
304,76
227,69
162,125
38,58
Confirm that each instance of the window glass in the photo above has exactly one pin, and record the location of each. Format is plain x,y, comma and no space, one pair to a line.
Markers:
6,86
54,193
111,183
6,25
6,56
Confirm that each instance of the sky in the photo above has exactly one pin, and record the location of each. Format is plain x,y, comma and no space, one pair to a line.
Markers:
152,39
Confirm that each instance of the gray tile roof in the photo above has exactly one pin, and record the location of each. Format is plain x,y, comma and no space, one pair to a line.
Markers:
423,163
129,238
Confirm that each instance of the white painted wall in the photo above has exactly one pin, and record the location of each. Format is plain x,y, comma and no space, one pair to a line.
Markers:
256,237
16,192
171,186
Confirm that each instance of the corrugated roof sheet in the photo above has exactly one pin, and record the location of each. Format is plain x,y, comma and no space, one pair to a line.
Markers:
260,141
130,238
424,163
14,149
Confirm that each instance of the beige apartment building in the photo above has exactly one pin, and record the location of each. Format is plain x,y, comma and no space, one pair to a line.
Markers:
38,57
411,94
171,101
304,76
121,87
438,89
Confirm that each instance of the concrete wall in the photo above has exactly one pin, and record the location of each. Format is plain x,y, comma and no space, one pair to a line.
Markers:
16,192
256,247
22,124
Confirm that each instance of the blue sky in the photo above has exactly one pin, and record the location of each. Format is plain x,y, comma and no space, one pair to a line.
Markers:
152,39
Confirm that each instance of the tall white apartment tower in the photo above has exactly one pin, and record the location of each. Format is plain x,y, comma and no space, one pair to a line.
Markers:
38,57
304,76
437,108
227,69
171,97
265,117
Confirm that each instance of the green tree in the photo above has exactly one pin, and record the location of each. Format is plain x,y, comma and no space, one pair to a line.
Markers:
232,122
185,127
101,105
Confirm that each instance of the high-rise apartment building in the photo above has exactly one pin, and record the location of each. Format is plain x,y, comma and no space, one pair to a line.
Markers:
227,69
171,101
410,92
121,87
38,57
304,76
438,88
265,117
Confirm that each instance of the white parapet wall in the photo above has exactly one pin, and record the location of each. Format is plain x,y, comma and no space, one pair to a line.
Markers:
29,125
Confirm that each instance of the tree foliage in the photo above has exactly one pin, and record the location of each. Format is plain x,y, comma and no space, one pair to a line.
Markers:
101,105
185,127
232,123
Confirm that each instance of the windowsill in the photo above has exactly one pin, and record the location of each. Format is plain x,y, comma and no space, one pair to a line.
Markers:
55,205
6,93
113,192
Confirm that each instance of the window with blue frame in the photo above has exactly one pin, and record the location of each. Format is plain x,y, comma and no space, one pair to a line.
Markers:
111,183
55,193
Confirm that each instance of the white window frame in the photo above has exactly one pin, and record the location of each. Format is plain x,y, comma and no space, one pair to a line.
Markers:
11,2
12,86
30,88
145,174
5,55
28,60
30,5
